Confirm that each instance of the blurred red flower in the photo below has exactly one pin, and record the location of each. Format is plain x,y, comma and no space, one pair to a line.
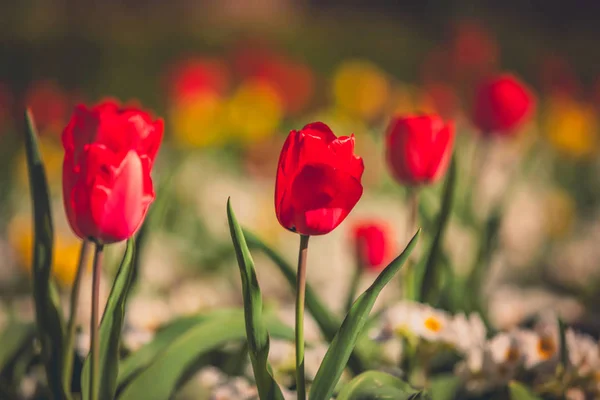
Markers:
49,104
318,180
501,105
558,78
474,50
442,97
109,154
373,244
419,148
190,78
293,81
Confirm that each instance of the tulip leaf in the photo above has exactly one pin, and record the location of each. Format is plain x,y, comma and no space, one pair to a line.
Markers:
15,338
519,392
110,331
141,359
49,319
377,385
431,275
177,360
343,343
256,332
328,323
444,387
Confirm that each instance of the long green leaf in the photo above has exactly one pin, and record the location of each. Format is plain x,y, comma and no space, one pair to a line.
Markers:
328,322
110,331
142,358
164,375
49,319
519,392
14,338
376,385
341,347
429,289
256,332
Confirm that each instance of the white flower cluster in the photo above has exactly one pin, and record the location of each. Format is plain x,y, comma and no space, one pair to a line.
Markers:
490,360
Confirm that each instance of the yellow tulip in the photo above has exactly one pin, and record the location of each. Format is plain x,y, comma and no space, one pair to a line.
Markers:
361,88
572,128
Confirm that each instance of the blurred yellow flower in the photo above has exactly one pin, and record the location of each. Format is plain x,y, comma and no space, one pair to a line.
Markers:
572,128
52,155
199,121
560,213
65,255
254,111
361,88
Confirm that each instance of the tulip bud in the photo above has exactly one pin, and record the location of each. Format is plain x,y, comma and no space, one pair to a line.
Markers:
502,104
109,154
419,148
371,239
318,180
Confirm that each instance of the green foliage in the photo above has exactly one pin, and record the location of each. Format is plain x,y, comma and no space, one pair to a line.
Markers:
256,332
49,319
519,392
328,322
110,331
430,287
343,343
374,385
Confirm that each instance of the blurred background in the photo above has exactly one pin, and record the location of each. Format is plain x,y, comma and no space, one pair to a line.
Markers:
231,78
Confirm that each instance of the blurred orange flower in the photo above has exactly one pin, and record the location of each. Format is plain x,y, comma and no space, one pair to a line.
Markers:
572,127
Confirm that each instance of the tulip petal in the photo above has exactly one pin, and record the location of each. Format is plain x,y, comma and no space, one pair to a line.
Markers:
322,197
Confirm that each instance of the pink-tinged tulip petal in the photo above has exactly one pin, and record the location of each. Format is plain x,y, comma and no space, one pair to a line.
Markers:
109,154
318,180
419,148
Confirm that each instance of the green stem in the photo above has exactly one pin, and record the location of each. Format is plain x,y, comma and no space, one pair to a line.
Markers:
410,277
94,342
70,337
354,283
300,295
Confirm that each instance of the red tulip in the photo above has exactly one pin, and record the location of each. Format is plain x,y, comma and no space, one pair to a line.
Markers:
318,180
419,148
109,153
501,105
372,244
